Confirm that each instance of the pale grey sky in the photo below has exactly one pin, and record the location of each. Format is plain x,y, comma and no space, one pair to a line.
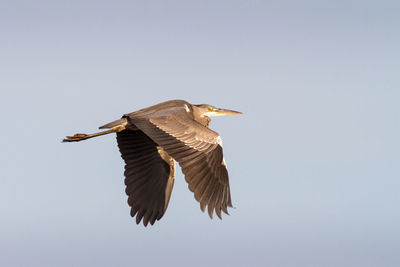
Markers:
313,161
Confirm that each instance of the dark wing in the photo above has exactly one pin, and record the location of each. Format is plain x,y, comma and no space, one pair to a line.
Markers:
198,151
149,175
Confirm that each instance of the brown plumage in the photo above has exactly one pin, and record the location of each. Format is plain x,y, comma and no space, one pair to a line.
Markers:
151,139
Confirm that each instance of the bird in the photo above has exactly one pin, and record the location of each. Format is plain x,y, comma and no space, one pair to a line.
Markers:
151,139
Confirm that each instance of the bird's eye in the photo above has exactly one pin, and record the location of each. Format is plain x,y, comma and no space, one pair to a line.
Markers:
210,109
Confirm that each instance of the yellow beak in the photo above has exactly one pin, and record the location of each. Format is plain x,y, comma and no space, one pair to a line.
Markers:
227,112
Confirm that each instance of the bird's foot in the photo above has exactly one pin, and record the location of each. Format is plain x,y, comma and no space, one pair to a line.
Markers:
76,137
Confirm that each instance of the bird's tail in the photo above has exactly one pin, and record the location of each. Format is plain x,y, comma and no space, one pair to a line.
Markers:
112,124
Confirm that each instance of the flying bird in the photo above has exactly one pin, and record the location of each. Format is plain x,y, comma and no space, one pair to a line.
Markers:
152,139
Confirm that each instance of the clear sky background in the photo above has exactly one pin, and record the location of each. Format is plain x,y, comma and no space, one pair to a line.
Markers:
314,161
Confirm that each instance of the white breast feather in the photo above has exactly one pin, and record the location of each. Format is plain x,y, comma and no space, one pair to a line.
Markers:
187,108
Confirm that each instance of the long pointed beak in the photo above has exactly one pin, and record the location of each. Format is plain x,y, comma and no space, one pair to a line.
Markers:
227,112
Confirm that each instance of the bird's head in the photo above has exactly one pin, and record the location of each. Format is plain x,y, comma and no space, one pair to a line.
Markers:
211,111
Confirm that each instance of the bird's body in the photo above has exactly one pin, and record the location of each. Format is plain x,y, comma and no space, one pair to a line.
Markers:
151,139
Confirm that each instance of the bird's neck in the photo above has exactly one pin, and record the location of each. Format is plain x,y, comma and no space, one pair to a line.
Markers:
204,120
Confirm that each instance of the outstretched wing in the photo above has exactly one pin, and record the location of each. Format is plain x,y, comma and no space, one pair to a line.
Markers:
149,175
198,151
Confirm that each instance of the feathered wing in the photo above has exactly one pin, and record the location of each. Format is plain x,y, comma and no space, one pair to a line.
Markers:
198,151
149,175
